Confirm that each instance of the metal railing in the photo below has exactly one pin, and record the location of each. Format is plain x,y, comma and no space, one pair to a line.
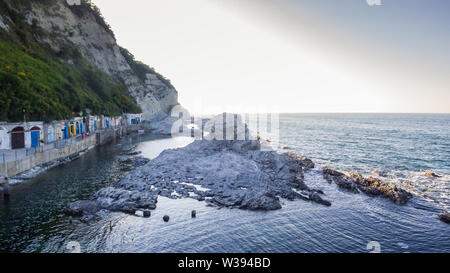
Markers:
17,154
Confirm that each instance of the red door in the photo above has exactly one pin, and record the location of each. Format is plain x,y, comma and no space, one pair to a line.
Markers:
18,138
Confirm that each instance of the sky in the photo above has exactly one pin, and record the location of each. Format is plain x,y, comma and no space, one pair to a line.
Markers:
296,56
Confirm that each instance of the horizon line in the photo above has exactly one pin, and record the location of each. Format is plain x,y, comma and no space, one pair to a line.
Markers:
345,113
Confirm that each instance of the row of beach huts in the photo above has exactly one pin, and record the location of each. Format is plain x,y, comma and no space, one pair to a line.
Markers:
34,134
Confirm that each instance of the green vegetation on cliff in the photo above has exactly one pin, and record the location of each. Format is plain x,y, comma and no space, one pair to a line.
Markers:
141,69
48,89
50,85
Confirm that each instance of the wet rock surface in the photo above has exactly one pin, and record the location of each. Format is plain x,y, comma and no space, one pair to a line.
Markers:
234,174
431,174
355,182
445,217
303,161
133,161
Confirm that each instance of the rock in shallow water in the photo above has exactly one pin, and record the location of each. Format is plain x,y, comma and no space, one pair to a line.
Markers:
303,161
79,208
355,182
261,201
146,213
431,174
445,217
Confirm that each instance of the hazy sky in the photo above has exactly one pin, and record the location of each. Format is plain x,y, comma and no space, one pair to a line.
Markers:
293,55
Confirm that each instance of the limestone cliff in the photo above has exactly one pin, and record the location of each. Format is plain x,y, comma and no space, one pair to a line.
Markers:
79,25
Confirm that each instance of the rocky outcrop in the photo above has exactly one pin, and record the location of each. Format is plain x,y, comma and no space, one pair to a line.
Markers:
82,207
445,217
431,174
83,28
356,183
342,180
232,174
305,162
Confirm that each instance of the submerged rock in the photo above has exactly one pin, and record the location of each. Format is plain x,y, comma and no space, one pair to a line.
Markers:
146,213
355,182
445,217
431,174
79,208
314,196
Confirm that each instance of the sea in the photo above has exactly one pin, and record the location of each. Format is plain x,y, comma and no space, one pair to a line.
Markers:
397,148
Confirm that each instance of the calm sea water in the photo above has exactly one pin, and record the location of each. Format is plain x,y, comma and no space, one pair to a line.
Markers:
397,147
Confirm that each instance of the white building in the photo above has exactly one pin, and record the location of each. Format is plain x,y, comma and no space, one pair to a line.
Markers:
21,135
134,118
54,131
5,140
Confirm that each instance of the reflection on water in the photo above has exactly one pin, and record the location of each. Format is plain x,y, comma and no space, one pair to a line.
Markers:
151,149
34,213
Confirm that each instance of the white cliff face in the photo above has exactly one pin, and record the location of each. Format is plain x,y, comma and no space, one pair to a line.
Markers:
98,45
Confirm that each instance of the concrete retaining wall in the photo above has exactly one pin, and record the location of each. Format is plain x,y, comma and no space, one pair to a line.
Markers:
19,166
13,168
104,137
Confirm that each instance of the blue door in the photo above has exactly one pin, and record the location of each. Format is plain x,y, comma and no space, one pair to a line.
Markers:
78,128
35,138
66,132
95,125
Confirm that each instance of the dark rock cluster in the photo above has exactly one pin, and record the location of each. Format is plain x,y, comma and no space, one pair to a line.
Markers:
356,183
445,217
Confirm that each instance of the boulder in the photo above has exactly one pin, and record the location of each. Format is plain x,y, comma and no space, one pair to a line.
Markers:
445,217
82,207
317,198
431,174
146,213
